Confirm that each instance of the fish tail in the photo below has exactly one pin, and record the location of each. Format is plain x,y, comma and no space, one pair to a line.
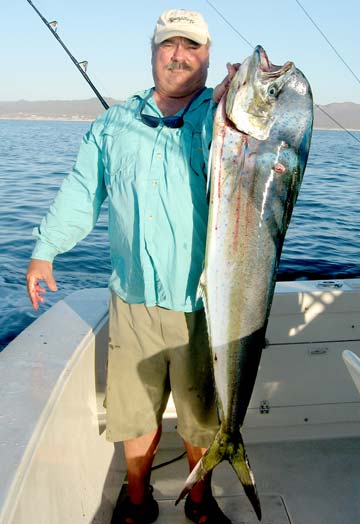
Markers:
238,459
215,454
224,448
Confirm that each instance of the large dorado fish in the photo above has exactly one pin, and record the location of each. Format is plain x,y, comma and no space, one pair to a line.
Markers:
261,140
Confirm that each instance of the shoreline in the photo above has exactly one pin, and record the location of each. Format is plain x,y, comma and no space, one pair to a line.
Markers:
91,119
51,118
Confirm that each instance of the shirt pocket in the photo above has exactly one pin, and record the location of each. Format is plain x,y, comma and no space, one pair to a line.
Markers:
119,157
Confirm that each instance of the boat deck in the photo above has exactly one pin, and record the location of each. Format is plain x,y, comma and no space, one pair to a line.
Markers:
299,482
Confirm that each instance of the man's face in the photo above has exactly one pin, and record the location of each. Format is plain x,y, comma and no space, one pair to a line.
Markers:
179,66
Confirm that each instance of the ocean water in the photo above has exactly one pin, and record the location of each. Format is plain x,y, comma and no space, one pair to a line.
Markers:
322,242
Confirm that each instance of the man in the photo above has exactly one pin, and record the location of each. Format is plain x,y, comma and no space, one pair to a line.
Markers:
148,155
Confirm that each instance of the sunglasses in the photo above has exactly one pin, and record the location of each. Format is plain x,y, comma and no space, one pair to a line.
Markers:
174,121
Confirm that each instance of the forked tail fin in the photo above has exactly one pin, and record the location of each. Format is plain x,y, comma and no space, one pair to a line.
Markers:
211,458
240,463
224,448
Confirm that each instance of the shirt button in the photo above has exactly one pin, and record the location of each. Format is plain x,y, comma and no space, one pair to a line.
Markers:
150,217
154,183
158,155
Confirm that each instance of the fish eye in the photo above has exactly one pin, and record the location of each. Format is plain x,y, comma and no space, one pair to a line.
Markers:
272,91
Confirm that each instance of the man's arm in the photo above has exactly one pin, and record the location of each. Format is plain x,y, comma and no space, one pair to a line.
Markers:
77,204
72,215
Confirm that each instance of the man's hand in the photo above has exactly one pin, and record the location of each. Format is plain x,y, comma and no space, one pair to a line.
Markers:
39,270
220,89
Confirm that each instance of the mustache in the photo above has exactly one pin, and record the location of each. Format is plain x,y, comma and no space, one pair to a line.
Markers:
174,65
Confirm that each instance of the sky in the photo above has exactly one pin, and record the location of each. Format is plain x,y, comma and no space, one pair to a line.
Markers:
114,37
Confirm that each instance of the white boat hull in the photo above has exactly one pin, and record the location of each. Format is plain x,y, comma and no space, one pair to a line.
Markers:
57,467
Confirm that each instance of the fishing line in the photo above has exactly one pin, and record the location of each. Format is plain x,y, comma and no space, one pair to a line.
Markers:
230,25
81,66
342,60
328,41
316,105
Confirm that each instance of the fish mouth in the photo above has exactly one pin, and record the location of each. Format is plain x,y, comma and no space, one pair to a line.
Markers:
269,71
254,93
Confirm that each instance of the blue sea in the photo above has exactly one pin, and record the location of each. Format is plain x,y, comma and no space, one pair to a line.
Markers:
323,240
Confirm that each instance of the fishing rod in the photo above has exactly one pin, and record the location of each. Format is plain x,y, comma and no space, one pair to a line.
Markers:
81,66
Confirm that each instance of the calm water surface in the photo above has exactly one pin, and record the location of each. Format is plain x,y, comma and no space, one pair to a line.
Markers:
323,240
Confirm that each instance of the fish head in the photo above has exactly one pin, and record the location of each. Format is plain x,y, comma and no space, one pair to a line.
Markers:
253,93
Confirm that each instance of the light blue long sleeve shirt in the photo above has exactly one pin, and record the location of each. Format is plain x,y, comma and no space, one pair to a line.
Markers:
155,180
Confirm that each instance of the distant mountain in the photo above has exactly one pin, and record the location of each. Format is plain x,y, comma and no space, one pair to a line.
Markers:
53,109
330,116
333,116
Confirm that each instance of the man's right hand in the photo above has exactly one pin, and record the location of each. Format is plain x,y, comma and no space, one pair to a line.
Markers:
220,89
39,270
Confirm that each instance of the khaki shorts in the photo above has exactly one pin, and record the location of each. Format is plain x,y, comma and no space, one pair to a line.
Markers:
153,350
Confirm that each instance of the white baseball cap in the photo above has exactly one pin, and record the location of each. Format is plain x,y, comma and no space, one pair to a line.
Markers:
180,22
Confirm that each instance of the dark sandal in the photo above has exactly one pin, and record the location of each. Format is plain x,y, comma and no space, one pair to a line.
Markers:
205,512
145,513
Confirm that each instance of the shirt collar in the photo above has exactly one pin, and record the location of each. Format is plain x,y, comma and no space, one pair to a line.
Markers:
204,96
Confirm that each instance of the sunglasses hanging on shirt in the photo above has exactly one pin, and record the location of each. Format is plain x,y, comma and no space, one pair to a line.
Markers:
174,121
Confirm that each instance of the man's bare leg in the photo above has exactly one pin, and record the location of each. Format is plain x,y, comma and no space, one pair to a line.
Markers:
139,455
203,487
200,505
